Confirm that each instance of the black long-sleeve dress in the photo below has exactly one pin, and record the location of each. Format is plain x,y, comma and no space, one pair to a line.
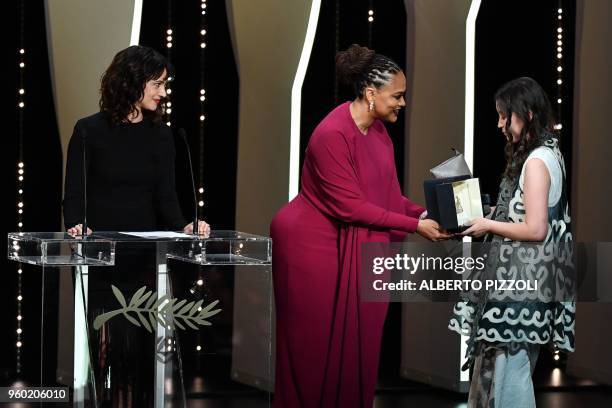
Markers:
130,176
130,187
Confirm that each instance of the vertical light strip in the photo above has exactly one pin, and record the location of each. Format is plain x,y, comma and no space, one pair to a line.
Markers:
20,176
470,53
559,124
169,38
202,96
559,68
468,143
201,161
296,99
136,19
370,21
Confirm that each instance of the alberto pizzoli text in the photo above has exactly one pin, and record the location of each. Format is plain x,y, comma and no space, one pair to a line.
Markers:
456,285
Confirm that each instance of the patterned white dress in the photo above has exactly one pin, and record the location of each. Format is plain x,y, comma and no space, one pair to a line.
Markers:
543,317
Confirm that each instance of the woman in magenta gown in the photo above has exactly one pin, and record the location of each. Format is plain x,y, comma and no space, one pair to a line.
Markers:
328,340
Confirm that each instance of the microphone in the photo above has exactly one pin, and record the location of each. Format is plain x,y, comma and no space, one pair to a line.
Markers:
84,140
196,230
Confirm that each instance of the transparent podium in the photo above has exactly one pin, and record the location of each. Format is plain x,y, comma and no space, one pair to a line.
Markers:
161,318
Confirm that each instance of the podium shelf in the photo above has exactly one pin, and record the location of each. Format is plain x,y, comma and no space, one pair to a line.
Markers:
60,249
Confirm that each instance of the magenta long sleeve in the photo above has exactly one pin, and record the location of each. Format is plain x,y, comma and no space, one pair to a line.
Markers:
337,190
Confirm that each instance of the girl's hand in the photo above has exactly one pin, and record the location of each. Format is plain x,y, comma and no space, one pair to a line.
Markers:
478,227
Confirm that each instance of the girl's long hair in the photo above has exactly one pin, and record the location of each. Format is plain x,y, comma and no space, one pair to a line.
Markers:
527,100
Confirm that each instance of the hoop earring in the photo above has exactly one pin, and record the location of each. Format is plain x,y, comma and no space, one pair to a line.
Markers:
371,106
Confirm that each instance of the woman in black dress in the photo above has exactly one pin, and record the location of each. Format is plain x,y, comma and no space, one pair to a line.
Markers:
129,153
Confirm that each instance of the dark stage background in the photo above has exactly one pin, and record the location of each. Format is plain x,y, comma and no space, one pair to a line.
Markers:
511,41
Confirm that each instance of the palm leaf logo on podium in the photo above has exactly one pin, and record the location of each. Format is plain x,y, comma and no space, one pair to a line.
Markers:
168,312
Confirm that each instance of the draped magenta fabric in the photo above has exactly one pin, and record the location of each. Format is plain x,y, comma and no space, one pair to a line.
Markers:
328,340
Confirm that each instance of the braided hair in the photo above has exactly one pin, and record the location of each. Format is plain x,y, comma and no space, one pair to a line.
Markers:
527,100
359,67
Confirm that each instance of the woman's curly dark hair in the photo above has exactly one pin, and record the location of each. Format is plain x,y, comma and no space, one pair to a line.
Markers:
124,81
527,100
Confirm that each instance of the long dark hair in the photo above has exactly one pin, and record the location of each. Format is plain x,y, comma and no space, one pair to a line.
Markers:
527,100
123,83
359,67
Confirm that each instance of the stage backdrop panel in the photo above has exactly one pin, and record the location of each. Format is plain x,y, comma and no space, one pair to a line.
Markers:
435,117
592,191
82,36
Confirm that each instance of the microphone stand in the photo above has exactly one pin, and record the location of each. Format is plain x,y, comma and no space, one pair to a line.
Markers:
84,229
196,229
